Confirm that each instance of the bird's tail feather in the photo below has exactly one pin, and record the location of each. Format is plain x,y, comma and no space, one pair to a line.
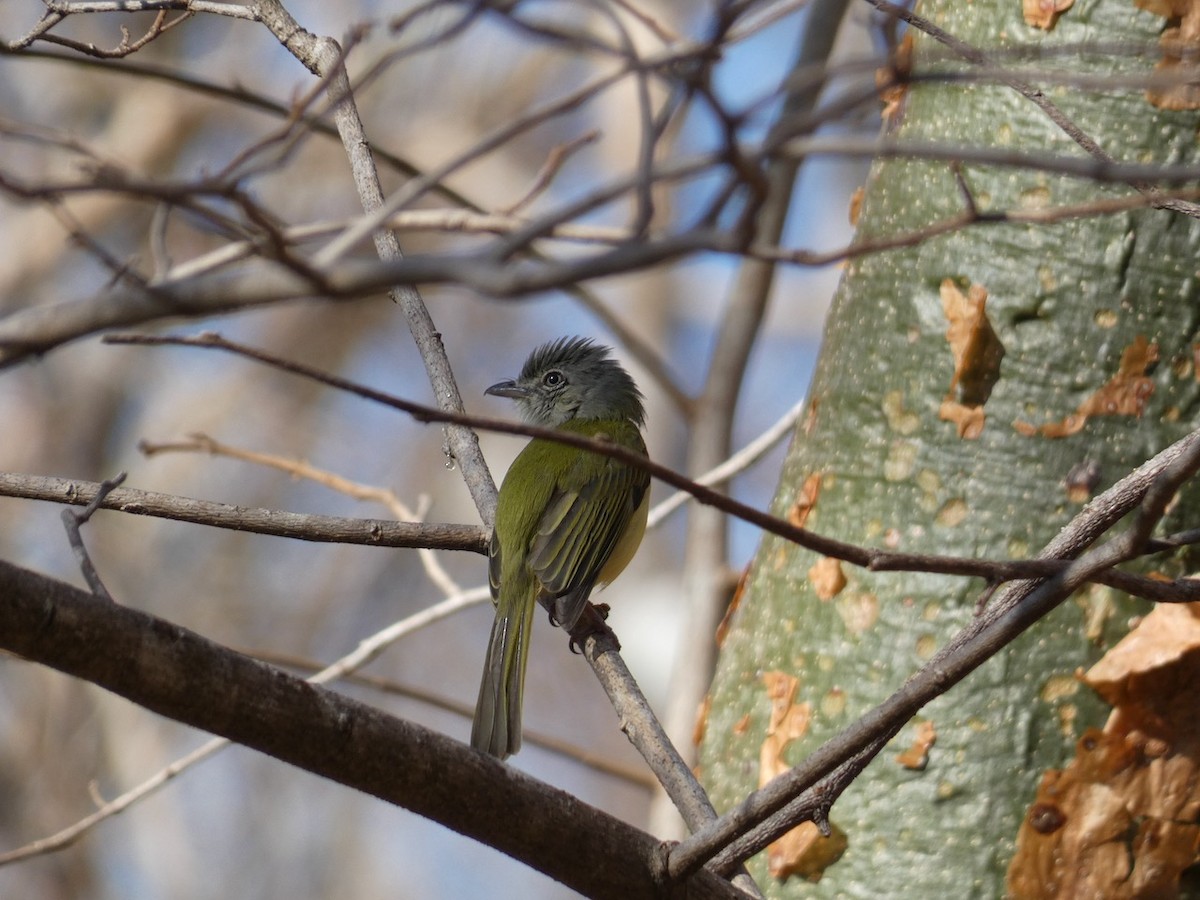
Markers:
497,727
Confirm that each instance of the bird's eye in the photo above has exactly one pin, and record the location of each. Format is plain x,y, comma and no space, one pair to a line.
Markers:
553,378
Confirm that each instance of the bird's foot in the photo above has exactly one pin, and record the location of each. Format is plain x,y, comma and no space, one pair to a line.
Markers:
592,622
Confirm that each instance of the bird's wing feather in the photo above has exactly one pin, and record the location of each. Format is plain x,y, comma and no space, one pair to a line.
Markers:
587,514
494,563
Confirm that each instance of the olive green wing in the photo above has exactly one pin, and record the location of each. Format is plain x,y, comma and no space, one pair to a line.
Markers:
494,563
588,513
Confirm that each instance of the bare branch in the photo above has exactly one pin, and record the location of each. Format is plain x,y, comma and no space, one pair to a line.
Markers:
332,736
366,651
220,8
160,26
202,443
736,463
323,529
75,520
633,775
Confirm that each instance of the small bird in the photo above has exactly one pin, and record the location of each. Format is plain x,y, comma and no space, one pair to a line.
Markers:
567,520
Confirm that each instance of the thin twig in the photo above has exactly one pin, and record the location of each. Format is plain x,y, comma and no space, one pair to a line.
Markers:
202,443
160,26
738,462
324,57
73,520
65,837
647,734
278,523
555,160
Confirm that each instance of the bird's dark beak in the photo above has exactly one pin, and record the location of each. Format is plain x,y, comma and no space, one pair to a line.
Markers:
508,389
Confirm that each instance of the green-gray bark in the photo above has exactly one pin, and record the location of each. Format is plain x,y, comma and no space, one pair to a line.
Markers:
1065,300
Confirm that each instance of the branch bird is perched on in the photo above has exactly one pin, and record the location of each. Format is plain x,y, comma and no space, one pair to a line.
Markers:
567,520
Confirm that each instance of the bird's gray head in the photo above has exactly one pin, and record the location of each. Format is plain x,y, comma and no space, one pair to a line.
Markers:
572,378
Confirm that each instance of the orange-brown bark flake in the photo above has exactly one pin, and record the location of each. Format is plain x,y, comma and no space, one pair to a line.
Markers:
1125,394
977,353
805,500
916,757
1178,43
827,578
1122,820
1044,13
803,851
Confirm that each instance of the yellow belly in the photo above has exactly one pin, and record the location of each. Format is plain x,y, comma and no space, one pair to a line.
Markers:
628,543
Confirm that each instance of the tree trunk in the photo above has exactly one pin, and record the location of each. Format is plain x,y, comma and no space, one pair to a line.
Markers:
1097,319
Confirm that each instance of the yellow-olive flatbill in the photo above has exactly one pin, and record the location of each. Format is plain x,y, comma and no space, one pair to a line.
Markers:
567,520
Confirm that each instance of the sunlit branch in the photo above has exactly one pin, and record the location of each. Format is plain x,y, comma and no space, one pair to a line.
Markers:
278,523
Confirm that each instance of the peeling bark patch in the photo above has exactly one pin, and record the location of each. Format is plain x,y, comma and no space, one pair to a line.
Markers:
967,420
1099,606
856,200
805,501
916,757
734,602
802,851
930,484
977,355
787,722
810,416
1125,394
1178,42
700,726
1058,687
827,578
1121,821
893,82
1067,714
901,461
1044,13
1182,366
